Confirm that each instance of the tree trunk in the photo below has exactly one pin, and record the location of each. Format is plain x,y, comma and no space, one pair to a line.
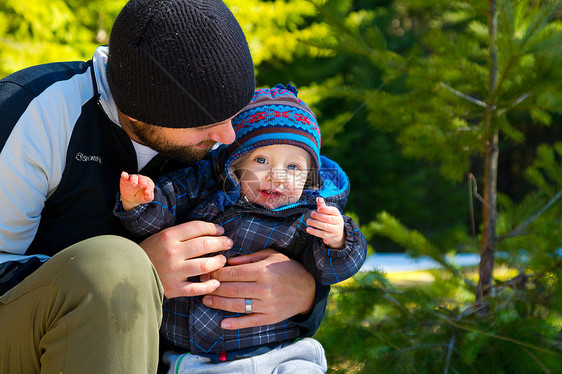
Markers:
489,208
489,216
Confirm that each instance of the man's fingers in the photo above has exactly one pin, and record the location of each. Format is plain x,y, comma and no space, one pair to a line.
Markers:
248,259
234,305
238,305
283,288
240,269
196,238
204,245
196,289
194,229
239,273
242,322
175,282
201,265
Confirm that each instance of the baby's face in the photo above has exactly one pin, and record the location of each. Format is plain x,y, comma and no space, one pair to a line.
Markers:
275,175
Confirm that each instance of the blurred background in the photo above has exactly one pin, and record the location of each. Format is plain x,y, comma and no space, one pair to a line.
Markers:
446,116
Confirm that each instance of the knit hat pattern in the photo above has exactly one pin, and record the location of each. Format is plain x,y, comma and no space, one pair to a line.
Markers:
179,63
276,116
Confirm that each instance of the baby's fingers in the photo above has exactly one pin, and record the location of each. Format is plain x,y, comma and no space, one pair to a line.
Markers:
320,202
148,195
326,218
318,233
326,209
134,180
321,225
128,181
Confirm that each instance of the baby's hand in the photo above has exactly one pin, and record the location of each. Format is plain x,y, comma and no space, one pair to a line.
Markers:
327,224
135,189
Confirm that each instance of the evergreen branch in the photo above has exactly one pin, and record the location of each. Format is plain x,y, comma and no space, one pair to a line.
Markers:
523,279
504,338
514,57
396,303
453,270
463,96
371,95
449,353
473,309
415,347
422,346
346,30
384,340
413,327
539,23
518,101
516,231
495,92
536,359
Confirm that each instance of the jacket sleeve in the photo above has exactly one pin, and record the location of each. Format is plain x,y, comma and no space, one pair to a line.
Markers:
335,265
175,194
32,159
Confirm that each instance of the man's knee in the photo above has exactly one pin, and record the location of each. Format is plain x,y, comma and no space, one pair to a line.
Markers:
98,299
109,269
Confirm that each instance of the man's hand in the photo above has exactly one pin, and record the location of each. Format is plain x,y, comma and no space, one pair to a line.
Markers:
175,253
279,288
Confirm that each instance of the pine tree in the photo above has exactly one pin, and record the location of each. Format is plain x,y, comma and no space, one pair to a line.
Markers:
455,99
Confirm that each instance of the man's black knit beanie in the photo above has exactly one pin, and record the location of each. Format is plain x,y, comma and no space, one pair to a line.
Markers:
179,63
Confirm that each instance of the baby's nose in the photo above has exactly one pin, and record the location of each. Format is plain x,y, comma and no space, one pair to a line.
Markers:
279,176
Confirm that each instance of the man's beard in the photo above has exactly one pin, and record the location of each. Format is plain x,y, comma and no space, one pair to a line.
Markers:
149,137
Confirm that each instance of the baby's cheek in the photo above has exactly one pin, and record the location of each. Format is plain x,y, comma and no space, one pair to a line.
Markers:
249,189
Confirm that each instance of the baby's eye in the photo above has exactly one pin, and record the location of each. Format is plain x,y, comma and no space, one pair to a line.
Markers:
293,167
260,160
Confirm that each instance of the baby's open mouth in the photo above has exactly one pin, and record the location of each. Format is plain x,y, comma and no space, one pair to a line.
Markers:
270,194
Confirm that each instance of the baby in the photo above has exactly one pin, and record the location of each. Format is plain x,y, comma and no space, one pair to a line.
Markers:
271,188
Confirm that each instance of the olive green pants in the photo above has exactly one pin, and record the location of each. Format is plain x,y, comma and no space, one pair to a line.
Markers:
95,307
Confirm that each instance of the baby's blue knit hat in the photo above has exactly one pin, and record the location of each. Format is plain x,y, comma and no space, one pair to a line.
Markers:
276,116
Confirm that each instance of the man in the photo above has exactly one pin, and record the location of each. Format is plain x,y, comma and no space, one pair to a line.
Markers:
75,295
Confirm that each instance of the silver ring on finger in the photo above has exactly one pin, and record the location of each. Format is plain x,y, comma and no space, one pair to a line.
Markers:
248,303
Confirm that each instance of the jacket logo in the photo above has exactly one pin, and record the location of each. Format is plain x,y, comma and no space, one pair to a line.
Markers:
82,157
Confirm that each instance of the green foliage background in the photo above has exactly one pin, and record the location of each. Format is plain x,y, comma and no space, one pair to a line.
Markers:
397,87
39,31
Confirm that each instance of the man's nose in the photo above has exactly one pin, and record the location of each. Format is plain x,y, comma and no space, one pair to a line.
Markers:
223,133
